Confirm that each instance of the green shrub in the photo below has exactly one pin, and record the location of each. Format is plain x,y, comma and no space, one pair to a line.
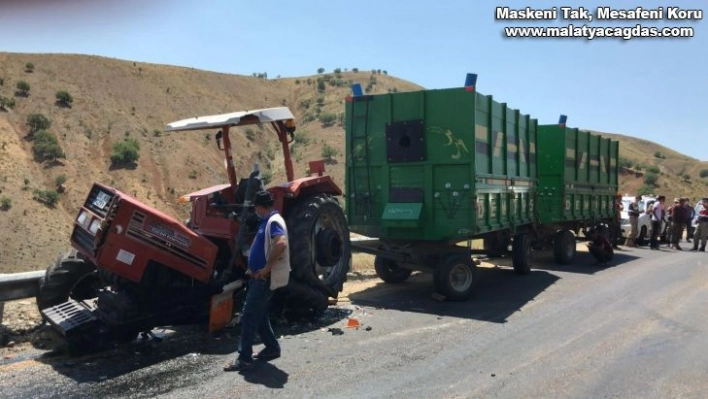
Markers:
64,98
38,122
49,197
126,152
7,103
250,134
703,173
60,180
5,203
23,87
653,169
29,67
46,146
329,151
650,178
302,138
625,163
266,176
327,118
645,190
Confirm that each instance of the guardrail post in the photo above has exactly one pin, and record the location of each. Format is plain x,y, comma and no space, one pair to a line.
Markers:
2,307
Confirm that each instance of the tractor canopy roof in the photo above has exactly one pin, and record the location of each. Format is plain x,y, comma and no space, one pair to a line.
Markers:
241,118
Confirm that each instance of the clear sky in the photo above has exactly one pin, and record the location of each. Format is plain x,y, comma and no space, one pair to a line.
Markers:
644,87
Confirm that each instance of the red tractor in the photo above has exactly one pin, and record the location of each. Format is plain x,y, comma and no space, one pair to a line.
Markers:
133,268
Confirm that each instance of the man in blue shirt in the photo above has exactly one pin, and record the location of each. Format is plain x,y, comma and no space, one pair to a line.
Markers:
264,257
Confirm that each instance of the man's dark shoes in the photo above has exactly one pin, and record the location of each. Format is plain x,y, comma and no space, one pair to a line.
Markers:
267,354
238,365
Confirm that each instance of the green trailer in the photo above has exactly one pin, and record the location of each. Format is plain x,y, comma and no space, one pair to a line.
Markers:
430,169
577,186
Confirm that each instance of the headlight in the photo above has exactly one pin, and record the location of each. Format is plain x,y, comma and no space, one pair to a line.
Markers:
95,224
83,216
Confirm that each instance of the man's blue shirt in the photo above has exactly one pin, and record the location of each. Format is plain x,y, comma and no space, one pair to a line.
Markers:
257,256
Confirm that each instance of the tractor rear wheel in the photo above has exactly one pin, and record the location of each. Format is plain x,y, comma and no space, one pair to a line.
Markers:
320,248
70,277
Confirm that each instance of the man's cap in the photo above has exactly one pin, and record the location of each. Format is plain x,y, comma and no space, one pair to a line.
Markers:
263,198
705,199
661,197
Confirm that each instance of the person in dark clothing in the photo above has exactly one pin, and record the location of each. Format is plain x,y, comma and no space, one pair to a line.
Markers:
679,215
600,247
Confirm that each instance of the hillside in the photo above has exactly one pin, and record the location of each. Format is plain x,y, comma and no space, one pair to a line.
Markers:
116,99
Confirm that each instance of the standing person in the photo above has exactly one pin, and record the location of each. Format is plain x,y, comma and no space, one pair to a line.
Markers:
702,227
680,217
269,269
689,224
616,227
633,212
658,215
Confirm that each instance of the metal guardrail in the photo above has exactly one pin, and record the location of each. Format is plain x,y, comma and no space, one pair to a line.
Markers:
19,285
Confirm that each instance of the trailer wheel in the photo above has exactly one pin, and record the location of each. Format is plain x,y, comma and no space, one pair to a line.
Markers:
70,277
564,247
456,277
521,253
320,252
389,272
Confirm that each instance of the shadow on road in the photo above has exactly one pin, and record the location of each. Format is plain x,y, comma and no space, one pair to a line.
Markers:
500,291
181,342
268,375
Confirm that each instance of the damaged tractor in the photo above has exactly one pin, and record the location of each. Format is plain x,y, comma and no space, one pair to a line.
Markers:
132,268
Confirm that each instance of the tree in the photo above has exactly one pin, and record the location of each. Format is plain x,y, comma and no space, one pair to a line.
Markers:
29,67
46,146
38,122
650,178
320,70
355,70
23,87
126,152
329,151
64,98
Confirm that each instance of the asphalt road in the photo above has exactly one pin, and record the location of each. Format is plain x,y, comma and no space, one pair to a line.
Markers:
634,329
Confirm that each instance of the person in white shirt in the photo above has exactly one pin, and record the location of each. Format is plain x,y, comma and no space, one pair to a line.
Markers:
658,216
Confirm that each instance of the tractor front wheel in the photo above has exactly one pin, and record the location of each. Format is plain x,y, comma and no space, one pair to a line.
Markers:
70,277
